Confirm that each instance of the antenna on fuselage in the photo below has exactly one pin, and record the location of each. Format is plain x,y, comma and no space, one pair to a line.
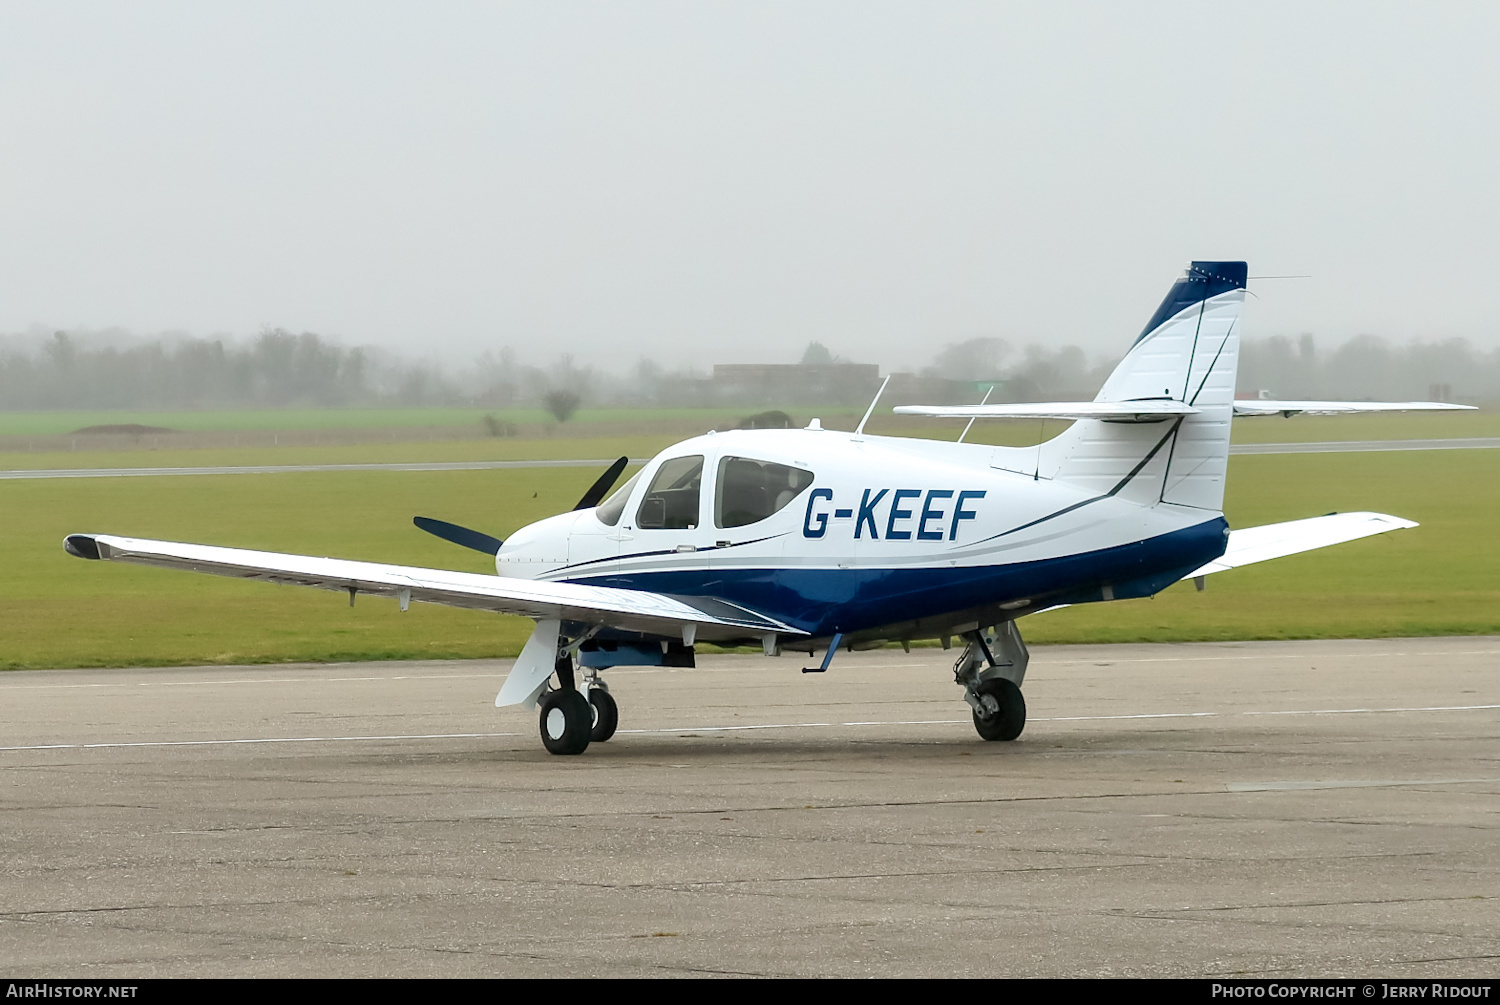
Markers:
869,411
983,401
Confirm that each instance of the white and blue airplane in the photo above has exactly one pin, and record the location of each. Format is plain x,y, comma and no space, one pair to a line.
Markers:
813,539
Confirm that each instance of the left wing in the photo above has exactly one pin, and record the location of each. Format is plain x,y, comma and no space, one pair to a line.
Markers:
1265,406
629,610
1274,540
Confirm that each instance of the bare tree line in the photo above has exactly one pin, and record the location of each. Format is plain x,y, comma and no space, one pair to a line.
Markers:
275,369
280,369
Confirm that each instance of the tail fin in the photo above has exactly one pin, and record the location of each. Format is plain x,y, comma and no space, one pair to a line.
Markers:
1189,353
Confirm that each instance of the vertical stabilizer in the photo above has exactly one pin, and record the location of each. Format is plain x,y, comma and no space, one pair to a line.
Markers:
1188,352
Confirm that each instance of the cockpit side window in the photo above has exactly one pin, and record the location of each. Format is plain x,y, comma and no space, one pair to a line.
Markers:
671,503
751,490
609,511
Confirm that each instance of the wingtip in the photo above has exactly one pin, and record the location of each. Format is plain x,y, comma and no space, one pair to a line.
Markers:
82,546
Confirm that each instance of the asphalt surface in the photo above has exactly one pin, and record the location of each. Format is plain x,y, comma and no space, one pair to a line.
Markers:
1331,447
1257,809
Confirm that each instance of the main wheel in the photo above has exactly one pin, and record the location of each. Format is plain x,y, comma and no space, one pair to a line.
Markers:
606,714
1009,715
566,721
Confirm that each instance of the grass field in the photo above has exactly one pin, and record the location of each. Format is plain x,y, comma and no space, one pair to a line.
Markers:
601,444
497,449
1443,578
47,423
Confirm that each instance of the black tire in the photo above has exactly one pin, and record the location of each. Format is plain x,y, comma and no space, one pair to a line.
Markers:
1010,719
606,714
566,721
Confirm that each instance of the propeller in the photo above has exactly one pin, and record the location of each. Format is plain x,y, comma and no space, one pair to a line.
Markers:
595,495
459,535
480,541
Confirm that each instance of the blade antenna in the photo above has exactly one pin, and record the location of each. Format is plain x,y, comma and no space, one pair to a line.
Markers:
1041,433
983,401
861,427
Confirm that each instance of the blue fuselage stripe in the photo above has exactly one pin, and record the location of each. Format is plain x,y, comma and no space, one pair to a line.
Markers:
823,601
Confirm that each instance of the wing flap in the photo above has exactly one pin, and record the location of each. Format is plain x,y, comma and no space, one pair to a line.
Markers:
1275,540
629,610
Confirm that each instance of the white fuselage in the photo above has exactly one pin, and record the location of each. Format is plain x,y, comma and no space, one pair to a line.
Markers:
882,530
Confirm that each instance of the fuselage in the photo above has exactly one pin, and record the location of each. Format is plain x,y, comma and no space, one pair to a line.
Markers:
868,536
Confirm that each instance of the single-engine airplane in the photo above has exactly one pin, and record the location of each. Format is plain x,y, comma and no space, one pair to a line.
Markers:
813,539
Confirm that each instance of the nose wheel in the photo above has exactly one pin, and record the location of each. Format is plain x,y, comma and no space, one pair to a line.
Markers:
606,714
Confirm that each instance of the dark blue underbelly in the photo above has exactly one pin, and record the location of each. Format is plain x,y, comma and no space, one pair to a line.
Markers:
823,601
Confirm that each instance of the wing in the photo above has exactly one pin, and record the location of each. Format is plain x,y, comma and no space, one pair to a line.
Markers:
1274,540
1264,406
1145,410
629,610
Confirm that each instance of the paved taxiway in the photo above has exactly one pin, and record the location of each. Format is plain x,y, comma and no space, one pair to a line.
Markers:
29,474
1270,809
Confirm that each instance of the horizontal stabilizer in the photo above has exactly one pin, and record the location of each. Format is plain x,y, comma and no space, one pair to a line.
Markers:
1275,540
629,610
1146,410
1264,406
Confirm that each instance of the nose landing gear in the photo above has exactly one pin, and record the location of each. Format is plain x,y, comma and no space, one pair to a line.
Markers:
571,718
606,714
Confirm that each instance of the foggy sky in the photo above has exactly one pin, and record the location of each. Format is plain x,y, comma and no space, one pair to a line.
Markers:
709,182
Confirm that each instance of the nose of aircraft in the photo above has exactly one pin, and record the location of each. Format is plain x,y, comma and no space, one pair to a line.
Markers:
537,548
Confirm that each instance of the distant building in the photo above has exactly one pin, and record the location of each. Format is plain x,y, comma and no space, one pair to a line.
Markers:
921,389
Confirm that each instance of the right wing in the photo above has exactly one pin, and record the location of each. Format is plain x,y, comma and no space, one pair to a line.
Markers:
629,610
1275,540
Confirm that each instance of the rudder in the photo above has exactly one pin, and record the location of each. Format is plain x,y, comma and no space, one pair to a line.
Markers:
1188,352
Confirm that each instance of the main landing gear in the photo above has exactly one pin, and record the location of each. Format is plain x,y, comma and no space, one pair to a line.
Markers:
572,718
990,671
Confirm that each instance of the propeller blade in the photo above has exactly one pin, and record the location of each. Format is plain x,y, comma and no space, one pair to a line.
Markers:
597,491
459,535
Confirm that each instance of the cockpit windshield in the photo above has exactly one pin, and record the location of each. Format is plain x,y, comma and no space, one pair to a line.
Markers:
751,490
609,511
